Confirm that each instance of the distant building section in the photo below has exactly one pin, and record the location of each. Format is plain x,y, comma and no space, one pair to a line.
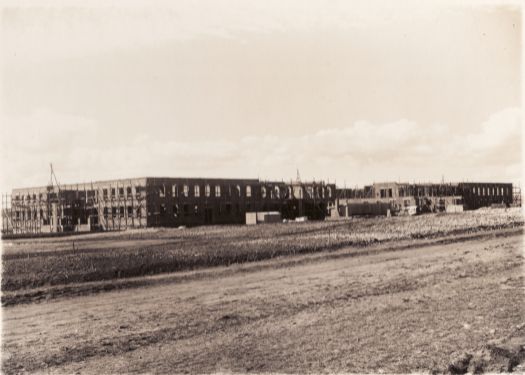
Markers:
156,202
410,199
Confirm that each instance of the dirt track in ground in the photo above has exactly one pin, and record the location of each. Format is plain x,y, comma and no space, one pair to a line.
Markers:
441,307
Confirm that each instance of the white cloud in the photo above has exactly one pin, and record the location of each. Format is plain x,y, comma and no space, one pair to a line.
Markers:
502,128
359,153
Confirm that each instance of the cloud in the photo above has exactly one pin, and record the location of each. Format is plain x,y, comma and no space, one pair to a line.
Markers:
360,153
499,138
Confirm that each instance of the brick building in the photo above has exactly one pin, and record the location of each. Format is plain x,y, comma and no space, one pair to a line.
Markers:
155,201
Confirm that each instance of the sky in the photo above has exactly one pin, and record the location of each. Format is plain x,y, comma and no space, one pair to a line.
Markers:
345,91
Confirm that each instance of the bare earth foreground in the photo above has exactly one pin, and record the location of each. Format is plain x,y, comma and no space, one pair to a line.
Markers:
444,305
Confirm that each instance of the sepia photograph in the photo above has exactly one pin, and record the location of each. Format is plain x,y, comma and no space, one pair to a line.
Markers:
261,187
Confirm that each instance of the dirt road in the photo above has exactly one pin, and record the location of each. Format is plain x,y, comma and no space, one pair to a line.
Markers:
431,308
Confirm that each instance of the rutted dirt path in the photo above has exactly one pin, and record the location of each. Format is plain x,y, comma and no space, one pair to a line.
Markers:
425,309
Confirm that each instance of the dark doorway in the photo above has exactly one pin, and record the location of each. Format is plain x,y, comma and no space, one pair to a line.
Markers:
208,215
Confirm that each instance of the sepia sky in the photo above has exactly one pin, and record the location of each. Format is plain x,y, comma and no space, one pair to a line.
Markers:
353,92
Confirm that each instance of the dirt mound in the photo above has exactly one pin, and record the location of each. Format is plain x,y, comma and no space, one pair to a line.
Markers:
505,355
460,363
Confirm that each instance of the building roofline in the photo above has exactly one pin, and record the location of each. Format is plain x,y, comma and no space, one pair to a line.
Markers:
426,183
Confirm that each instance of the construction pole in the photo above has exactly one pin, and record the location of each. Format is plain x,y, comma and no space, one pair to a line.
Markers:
112,200
117,191
132,205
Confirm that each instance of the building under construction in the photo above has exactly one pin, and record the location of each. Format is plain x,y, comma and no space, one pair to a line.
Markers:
171,202
152,201
409,199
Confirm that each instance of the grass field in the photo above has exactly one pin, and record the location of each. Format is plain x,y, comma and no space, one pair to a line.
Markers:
34,263
452,303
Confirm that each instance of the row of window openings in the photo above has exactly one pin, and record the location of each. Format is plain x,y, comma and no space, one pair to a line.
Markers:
273,193
104,193
490,191
120,191
186,209
28,215
386,193
207,191
114,211
32,215
119,211
28,197
423,192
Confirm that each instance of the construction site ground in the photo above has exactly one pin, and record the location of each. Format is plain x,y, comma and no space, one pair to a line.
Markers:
452,304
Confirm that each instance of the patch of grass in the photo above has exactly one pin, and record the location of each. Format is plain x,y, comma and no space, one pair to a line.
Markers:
55,262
